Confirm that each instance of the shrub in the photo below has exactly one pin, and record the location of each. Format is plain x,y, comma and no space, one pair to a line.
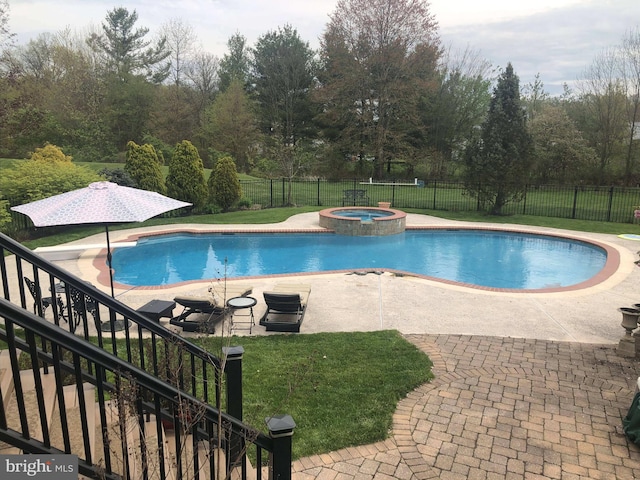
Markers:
35,179
224,186
50,153
186,180
143,166
244,203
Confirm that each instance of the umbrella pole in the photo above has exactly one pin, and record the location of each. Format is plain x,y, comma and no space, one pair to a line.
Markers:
106,228
117,324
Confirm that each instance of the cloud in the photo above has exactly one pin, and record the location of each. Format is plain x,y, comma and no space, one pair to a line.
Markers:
556,38
559,44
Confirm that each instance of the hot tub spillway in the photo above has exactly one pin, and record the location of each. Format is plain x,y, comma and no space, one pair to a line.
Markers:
363,221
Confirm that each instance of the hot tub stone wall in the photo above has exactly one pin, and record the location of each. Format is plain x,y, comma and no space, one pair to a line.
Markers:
380,226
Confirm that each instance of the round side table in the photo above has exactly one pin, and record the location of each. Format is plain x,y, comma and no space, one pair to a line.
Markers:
241,303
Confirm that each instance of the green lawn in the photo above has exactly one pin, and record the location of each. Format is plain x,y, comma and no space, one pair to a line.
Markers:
340,388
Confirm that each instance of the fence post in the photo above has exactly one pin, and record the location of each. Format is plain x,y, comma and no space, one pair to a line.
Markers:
575,202
233,369
281,431
610,204
271,192
393,193
435,188
283,195
319,192
524,201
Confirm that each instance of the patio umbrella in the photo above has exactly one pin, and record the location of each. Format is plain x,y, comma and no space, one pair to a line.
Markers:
99,203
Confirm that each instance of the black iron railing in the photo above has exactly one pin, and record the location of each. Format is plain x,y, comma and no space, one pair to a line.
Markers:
143,379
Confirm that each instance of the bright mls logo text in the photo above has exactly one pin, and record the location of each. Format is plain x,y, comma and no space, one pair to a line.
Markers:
51,467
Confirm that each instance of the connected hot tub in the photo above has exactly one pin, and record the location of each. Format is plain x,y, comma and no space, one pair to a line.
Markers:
363,221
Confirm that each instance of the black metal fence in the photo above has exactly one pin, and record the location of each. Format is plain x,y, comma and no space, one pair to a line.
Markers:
606,204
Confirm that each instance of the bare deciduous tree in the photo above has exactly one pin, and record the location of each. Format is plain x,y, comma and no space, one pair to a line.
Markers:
181,40
6,37
603,101
630,71
379,56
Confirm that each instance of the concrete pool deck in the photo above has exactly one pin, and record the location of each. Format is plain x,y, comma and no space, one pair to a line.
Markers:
528,385
361,301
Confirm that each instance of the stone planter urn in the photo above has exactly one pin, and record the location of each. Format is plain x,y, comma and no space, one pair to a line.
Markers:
384,204
630,318
627,344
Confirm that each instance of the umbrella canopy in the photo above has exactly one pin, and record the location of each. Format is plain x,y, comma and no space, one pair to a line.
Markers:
99,203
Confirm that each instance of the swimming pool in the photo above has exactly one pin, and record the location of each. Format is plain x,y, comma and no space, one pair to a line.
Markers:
485,258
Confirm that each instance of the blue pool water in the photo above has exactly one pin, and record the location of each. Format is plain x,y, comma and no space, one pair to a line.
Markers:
484,258
362,214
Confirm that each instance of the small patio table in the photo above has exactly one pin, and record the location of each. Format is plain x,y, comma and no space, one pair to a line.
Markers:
156,309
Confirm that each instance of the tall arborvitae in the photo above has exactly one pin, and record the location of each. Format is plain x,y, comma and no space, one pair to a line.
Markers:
143,166
498,164
186,180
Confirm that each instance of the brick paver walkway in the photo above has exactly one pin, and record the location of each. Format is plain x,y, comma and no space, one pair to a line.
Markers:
503,408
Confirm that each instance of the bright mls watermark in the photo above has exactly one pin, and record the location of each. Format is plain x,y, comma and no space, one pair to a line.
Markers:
49,467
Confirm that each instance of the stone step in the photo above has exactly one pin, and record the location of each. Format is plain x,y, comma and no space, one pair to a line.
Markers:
132,428
133,435
27,379
186,442
74,420
6,379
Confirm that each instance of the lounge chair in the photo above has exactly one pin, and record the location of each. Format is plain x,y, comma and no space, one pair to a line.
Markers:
286,306
212,305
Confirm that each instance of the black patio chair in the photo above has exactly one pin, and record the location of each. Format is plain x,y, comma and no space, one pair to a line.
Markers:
45,302
80,305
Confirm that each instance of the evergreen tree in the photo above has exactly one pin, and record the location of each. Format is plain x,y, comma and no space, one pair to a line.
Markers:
224,186
143,166
498,164
234,66
127,51
186,180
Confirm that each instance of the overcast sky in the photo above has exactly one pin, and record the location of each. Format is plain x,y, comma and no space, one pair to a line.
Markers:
556,38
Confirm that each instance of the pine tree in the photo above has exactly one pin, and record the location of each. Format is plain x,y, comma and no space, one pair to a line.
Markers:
126,49
498,164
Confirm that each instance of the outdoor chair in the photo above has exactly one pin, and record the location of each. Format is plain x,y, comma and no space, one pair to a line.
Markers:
45,302
81,304
355,197
212,305
286,307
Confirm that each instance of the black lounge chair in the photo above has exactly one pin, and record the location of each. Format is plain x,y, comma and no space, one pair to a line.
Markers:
286,306
213,306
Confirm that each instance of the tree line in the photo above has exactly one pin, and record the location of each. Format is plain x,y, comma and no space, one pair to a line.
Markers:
381,97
